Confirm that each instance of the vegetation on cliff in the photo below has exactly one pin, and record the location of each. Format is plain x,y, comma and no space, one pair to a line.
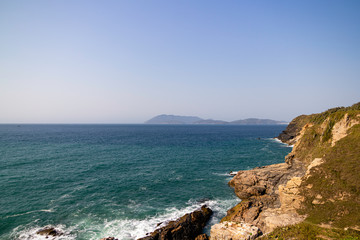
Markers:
318,185
331,190
306,231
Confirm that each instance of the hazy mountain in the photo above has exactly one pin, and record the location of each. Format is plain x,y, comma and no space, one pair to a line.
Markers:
173,119
210,121
257,121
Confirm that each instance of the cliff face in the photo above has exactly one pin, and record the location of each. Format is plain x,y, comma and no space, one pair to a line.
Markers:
293,129
319,180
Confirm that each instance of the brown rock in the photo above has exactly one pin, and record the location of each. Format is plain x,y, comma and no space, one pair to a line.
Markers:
187,227
259,190
202,237
292,130
260,181
289,194
251,214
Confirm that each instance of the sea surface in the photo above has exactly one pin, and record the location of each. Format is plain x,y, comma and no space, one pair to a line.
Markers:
94,181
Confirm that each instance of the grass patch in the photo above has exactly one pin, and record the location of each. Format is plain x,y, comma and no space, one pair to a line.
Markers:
308,231
334,195
337,182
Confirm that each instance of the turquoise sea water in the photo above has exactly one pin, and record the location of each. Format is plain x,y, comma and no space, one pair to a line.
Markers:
93,181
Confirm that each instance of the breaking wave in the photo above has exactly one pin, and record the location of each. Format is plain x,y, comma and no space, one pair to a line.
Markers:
126,229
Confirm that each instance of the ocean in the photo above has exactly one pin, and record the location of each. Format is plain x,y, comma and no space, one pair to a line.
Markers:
95,181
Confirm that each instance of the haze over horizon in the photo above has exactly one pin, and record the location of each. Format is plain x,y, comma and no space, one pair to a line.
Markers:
128,61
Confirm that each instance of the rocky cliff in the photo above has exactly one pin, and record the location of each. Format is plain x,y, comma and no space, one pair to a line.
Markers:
318,183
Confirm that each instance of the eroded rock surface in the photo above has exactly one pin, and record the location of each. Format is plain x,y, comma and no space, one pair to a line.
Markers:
234,231
340,128
267,192
289,195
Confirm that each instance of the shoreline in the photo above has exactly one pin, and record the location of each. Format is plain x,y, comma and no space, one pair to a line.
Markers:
269,198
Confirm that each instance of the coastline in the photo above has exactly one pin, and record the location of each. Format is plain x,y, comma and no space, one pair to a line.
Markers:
269,196
273,195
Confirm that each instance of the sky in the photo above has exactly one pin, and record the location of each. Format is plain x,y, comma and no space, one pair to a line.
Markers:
125,61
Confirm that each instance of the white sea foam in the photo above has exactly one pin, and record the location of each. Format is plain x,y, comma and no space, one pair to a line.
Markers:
126,229
132,229
279,141
225,174
30,233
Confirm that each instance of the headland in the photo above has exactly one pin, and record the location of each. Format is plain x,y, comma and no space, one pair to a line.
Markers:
315,194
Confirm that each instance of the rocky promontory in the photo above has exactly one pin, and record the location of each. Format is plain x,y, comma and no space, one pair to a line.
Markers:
318,182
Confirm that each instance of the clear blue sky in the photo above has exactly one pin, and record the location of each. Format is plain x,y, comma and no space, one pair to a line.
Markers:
127,61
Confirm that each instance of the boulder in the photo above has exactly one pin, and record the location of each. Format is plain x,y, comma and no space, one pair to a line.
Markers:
49,231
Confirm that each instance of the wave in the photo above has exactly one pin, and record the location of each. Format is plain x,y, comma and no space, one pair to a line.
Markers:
229,174
133,229
21,214
126,229
279,141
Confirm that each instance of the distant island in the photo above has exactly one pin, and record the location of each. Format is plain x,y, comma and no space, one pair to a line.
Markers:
173,119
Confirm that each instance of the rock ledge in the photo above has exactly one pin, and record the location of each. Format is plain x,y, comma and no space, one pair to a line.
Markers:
234,231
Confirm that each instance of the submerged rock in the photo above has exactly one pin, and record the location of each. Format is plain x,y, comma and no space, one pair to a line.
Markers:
188,227
49,231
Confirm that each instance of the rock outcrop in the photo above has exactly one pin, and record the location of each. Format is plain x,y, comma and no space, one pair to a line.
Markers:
292,130
260,190
188,227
